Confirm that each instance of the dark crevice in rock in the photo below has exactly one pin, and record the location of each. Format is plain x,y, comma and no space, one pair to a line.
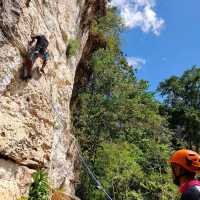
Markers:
93,8
34,166
83,70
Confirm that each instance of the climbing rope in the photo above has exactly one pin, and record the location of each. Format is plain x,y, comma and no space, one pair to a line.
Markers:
91,174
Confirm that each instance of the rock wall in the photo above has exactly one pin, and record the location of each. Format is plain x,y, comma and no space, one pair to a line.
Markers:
35,114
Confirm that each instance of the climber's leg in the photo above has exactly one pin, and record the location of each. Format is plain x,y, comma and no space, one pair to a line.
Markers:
30,62
29,66
26,69
44,57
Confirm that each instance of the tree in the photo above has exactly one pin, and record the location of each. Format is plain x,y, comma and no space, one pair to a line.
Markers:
182,103
121,168
117,122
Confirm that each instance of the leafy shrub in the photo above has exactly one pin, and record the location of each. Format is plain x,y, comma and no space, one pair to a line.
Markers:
72,47
39,189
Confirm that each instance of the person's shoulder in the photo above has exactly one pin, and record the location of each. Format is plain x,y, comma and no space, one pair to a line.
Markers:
192,193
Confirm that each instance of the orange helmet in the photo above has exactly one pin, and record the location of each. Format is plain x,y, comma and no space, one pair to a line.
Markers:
187,159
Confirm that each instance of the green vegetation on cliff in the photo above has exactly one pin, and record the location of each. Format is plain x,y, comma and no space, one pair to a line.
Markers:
39,188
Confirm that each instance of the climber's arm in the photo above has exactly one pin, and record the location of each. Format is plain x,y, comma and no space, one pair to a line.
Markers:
33,38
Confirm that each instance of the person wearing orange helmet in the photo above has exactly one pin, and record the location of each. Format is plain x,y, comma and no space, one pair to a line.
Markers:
185,165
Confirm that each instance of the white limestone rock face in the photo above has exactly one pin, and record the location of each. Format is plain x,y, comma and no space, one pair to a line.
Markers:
34,114
20,177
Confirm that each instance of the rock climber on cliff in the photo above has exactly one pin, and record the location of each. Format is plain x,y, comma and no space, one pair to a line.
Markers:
185,165
39,50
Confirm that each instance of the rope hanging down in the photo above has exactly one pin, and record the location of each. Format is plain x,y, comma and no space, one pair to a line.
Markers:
91,174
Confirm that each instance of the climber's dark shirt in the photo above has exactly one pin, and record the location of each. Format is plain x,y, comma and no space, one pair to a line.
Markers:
41,44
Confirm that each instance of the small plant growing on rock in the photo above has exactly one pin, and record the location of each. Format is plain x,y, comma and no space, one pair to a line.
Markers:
39,189
72,47
23,198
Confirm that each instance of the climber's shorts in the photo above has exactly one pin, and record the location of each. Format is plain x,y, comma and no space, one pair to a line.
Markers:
42,53
45,56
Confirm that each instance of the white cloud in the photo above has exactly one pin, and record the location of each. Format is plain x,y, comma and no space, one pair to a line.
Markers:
136,62
139,13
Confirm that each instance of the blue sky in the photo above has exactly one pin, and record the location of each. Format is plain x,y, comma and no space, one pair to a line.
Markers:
163,38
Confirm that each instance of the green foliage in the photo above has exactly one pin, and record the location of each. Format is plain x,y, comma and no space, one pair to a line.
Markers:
108,28
39,188
182,105
119,167
72,48
119,126
115,105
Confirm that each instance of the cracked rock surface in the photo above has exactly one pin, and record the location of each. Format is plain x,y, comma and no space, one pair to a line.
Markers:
35,114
